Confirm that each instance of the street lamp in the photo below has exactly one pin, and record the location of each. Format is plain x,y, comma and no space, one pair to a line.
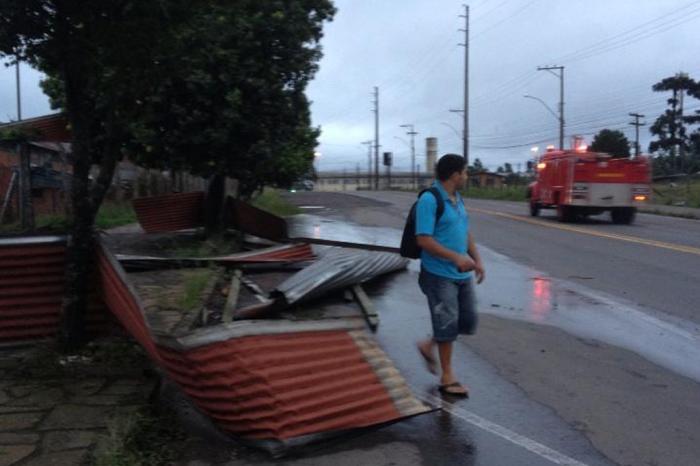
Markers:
317,160
452,128
560,118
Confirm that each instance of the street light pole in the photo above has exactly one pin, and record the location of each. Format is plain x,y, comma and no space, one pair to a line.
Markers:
412,132
558,117
560,75
19,95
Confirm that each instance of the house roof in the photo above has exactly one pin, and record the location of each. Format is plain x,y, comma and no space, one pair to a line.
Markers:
48,128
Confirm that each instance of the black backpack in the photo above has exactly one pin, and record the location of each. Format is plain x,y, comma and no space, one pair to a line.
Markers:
409,244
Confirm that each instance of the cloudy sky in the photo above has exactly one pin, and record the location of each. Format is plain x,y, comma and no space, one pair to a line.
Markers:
613,52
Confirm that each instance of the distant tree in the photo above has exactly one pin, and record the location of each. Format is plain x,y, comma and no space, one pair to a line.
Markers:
500,169
677,146
476,167
507,168
611,142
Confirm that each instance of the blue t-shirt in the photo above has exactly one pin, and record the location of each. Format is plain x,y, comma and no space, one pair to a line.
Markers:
451,232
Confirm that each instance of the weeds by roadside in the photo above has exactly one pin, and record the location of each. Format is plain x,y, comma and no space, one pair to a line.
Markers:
507,193
271,201
681,193
145,438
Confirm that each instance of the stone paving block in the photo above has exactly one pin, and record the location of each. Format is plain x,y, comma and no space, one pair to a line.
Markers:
11,454
18,421
85,387
96,400
68,440
127,387
19,391
4,397
11,438
18,409
71,416
66,458
40,398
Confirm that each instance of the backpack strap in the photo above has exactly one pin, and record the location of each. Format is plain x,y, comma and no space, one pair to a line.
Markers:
440,202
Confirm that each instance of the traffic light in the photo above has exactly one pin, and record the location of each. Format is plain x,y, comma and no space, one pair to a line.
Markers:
387,159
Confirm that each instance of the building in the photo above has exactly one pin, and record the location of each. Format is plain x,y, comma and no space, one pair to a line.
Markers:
347,181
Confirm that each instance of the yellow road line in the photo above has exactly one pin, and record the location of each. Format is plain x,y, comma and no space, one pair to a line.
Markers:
588,231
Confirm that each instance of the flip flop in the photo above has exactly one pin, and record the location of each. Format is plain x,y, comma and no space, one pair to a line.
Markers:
461,390
430,362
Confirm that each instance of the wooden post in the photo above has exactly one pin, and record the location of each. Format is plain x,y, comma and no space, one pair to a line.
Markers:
232,299
26,210
367,307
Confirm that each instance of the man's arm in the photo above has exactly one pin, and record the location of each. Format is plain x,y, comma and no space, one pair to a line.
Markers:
474,254
428,243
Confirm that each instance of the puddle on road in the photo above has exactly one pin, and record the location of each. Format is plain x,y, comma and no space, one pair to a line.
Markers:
514,291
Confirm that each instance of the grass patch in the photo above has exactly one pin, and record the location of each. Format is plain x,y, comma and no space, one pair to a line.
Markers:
218,245
42,223
680,193
110,215
507,193
271,201
146,438
115,214
196,283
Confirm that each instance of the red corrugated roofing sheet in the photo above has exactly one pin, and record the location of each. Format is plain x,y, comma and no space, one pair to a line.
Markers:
31,290
171,212
283,386
273,386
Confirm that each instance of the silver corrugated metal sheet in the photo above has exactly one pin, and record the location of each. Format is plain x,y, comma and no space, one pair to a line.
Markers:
337,268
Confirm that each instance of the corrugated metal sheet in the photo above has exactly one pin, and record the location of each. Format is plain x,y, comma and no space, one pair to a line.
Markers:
272,382
337,268
249,219
31,287
171,212
273,255
31,290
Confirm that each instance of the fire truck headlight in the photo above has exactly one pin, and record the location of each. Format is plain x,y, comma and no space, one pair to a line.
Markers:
639,197
541,166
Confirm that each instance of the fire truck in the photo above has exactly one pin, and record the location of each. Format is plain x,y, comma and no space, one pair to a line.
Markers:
578,183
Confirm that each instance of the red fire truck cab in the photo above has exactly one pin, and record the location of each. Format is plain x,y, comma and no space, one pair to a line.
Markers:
578,183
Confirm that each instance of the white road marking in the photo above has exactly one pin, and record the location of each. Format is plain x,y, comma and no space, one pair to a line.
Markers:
507,434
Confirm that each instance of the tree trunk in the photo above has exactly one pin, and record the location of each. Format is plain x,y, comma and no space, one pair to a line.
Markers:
79,253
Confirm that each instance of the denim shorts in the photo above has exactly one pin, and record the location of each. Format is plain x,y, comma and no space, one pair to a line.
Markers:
452,305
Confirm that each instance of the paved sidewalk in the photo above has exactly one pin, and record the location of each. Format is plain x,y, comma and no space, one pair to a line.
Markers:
57,411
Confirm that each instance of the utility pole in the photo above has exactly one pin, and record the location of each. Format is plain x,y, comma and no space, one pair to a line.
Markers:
412,132
560,75
636,125
19,96
465,112
369,163
376,138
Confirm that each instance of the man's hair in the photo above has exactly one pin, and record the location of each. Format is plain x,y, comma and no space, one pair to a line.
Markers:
449,164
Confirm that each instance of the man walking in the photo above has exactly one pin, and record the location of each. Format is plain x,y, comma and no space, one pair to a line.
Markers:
448,259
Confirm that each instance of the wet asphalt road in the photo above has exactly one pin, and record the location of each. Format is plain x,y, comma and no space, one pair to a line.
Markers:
586,353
